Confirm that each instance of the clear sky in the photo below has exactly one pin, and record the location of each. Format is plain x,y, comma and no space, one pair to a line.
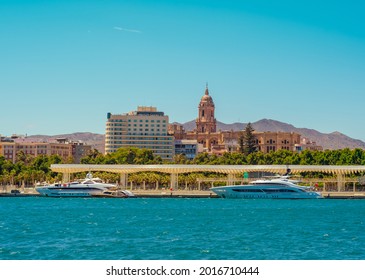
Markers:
65,64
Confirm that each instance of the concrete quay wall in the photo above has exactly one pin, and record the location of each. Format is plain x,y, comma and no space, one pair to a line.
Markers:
166,193
209,194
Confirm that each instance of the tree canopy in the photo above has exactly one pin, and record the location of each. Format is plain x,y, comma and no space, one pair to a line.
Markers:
28,169
130,155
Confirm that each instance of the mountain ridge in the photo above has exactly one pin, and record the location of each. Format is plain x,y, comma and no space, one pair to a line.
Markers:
334,140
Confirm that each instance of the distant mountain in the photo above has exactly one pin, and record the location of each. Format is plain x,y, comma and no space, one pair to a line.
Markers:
334,140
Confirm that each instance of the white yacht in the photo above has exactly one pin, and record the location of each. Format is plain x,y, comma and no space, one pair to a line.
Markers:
87,188
282,188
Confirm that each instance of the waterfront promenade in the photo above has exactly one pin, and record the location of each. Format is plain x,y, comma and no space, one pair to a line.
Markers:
233,173
343,183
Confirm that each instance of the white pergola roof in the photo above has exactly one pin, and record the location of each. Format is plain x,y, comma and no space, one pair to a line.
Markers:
187,168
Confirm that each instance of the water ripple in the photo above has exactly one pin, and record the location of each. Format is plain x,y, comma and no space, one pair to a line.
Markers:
43,228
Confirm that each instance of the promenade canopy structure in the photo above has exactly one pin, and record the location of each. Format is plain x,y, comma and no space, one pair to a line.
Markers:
230,170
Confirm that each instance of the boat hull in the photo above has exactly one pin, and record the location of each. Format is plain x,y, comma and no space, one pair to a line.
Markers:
247,192
68,192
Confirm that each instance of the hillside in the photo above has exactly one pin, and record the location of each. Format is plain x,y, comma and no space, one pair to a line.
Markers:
334,140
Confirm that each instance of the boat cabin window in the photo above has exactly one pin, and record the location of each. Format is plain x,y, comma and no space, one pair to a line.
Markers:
278,190
270,183
246,190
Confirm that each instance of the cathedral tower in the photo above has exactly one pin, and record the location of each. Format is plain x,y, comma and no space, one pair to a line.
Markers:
206,122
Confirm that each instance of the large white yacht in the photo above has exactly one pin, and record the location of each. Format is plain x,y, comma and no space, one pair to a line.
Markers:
88,187
281,188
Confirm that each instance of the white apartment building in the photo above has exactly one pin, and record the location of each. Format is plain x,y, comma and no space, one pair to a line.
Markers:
189,148
145,128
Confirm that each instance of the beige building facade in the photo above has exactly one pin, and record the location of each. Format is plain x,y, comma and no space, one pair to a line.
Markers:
308,145
144,128
66,151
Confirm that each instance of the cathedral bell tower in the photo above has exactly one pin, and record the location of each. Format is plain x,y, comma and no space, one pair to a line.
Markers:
206,122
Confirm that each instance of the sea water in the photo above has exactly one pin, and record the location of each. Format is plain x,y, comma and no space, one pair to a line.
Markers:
39,228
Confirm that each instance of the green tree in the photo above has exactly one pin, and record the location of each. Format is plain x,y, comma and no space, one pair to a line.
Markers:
145,156
306,158
24,158
257,158
358,156
93,157
180,159
203,158
249,140
2,164
128,155
281,157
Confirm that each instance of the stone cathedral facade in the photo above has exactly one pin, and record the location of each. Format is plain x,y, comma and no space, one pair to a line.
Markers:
219,142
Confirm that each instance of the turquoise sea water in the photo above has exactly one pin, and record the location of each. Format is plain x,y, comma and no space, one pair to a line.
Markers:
178,229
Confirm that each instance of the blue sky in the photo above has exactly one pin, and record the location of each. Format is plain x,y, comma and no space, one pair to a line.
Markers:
65,64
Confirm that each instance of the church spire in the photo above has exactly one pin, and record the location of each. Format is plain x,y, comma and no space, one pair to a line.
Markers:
206,89
206,123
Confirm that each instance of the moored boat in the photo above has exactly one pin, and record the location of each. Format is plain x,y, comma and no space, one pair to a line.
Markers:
89,187
279,188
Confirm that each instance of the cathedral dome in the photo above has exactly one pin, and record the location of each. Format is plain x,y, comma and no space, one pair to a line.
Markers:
206,97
